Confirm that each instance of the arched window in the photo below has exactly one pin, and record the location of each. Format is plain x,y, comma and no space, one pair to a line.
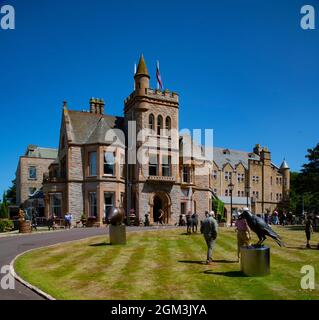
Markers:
159,124
168,125
151,122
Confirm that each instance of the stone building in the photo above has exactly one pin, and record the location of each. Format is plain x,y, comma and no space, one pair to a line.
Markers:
31,167
250,179
140,162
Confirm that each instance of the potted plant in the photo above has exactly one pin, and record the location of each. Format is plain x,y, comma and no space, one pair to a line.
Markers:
83,219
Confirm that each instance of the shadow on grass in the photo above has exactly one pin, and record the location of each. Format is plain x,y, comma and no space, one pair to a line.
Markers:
191,261
204,262
295,227
101,244
302,248
232,274
190,234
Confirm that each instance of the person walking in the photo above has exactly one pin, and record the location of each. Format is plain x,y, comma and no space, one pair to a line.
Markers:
209,229
243,234
309,230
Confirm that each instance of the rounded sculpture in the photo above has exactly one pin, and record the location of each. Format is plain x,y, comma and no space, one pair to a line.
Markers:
115,216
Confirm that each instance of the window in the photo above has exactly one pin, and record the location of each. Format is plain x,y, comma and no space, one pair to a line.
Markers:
166,166
271,181
122,165
255,179
92,203
277,197
32,190
270,195
242,193
153,165
215,191
238,193
187,174
122,198
168,125
151,122
215,174
109,162
159,124
108,201
240,177
32,173
92,163
227,175
226,193
56,204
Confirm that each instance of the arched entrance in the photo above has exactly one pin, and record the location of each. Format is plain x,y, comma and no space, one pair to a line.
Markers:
158,201
157,206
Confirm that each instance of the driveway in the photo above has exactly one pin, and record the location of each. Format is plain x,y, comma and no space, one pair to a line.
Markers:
11,246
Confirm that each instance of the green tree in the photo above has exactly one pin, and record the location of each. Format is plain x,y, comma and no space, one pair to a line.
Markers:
305,185
11,194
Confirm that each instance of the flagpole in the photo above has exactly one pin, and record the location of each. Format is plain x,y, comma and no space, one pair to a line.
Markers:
135,69
157,83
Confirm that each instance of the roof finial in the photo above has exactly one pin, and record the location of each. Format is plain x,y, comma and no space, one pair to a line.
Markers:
141,68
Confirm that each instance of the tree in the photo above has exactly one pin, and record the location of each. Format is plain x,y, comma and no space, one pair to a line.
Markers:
11,194
305,185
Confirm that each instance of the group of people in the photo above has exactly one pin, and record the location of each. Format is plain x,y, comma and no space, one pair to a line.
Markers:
209,228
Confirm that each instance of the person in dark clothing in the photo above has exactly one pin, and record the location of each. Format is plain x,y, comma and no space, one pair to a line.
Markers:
309,230
209,229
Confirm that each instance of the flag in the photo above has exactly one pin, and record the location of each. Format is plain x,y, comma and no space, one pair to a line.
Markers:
158,77
135,69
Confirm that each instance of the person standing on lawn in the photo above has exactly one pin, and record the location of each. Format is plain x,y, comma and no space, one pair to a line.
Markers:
209,229
309,230
243,233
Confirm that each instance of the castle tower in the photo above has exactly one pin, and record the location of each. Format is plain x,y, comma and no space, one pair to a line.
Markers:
285,170
152,179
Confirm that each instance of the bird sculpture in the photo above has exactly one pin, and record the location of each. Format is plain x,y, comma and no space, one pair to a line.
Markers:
261,228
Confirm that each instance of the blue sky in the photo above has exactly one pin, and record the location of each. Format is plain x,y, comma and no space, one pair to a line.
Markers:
244,68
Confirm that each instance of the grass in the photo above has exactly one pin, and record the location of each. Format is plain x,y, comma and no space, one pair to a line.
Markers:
167,264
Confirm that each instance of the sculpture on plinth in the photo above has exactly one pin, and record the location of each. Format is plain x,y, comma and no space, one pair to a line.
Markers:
261,228
117,229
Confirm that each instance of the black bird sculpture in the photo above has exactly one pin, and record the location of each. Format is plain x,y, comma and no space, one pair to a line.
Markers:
261,228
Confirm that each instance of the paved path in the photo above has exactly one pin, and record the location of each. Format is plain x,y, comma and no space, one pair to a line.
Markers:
11,246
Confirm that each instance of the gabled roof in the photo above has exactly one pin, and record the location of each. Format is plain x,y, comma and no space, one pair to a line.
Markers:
222,156
90,128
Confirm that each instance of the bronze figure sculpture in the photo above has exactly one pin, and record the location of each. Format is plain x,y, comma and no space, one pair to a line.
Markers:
261,228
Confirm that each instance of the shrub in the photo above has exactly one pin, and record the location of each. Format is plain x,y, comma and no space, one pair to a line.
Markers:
6,225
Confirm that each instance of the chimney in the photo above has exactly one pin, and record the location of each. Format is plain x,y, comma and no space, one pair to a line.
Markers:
92,105
97,106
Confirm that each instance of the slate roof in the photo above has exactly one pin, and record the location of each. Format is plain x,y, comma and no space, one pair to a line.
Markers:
221,156
39,152
89,128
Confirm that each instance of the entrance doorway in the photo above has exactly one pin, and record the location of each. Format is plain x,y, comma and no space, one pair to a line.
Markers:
160,201
158,205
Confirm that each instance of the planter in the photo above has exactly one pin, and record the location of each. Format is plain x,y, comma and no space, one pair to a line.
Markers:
24,226
223,224
90,222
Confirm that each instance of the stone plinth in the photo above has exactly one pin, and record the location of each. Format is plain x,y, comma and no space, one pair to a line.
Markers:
118,234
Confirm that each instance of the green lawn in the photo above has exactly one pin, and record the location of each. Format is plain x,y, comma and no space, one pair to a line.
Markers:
166,264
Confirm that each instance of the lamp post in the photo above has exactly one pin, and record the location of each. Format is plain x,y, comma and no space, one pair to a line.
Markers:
231,188
247,189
